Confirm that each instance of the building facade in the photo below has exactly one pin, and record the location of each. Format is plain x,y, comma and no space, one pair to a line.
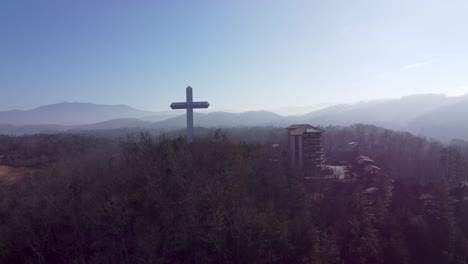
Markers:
305,148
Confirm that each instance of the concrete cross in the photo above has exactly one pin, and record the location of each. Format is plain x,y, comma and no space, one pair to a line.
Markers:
189,105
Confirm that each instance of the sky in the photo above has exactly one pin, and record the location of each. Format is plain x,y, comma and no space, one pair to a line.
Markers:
239,55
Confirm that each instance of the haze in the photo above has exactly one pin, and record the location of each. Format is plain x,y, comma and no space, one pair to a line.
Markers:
320,131
239,55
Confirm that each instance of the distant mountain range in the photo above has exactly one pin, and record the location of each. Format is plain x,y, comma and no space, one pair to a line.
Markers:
75,114
436,116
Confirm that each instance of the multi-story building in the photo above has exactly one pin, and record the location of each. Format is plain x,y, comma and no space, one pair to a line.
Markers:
305,147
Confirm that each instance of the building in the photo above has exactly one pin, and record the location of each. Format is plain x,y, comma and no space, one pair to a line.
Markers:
363,161
305,148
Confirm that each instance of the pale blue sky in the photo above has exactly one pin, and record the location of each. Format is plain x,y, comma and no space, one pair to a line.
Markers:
236,54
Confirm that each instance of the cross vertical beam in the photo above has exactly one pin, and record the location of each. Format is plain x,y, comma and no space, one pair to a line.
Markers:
189,99
189,105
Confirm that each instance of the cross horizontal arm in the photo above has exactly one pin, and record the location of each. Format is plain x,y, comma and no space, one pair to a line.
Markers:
200,105
179,105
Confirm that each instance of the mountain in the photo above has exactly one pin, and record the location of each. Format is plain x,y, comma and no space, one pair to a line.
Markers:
224,119
159,116
395,113
300,110
436,116
70,114
116,124
446,123
214,119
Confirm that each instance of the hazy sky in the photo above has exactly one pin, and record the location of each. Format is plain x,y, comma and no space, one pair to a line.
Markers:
235,54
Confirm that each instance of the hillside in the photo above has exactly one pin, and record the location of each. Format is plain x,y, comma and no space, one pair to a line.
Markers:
224,119
70,114
159,198
431,115
394,113
446,123
116,124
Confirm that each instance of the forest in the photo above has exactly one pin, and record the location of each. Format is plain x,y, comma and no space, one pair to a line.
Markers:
230,197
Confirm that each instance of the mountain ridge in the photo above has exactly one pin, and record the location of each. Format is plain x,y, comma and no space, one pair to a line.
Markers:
66,113
419,114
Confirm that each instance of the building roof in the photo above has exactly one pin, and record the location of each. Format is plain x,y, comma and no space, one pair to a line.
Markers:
369,168
371,190
300,129
464,184
362,159
351,145
298,126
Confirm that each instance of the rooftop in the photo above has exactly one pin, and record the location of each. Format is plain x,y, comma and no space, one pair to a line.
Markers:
300,129
371,190
362,159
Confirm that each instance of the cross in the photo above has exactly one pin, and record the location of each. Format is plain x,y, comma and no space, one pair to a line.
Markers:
189,105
